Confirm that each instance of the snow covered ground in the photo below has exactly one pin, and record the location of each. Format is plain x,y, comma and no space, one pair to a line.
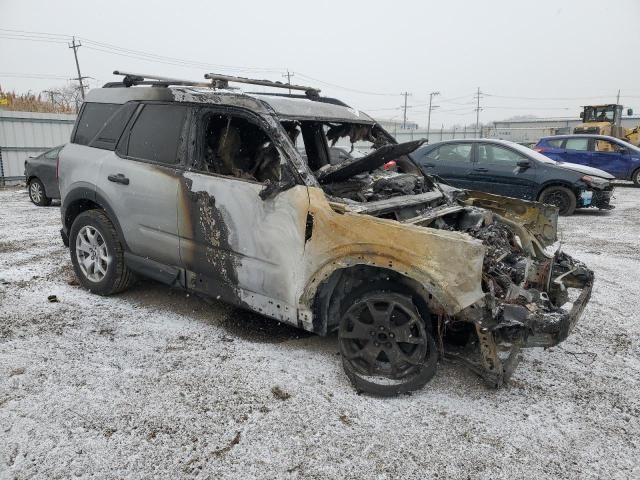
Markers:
154,383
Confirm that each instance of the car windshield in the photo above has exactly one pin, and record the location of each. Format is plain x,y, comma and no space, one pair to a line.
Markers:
532,154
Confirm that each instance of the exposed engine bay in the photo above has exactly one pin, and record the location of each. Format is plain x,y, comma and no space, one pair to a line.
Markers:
525,286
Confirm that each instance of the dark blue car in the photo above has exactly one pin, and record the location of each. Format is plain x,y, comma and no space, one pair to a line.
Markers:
506,168
615,156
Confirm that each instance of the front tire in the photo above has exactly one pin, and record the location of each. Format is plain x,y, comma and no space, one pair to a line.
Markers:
561,197
386,346
37,194
97,254
636,177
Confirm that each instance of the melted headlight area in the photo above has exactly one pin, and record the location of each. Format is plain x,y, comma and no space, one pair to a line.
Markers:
525,296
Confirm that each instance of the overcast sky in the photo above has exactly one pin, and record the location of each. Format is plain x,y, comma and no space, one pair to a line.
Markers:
543,58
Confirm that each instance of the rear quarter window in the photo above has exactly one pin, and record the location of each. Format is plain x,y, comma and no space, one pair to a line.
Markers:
156,133
92,119
108,137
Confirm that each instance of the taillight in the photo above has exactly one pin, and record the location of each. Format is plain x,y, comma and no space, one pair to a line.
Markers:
389,165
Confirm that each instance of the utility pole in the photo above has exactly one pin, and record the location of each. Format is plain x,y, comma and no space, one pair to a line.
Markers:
404,115
289,75
618,98
478,111
431,107
76,45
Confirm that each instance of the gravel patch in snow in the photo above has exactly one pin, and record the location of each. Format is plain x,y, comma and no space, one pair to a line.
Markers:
155,383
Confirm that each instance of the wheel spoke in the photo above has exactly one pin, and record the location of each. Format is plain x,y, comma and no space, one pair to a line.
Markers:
99,268
403,334
380,316
359,329
397,356
87,262
82,245
91,236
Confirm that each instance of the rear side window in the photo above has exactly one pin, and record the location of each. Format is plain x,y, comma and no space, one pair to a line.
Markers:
92,118
577,144
53,153
155,135
108,137
555,143
497,154
451,152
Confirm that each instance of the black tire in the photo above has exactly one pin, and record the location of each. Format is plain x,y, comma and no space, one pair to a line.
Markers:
636,177
37,193
397,367
561,197
117,276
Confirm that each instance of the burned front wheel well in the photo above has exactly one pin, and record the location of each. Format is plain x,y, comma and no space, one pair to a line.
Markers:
337,288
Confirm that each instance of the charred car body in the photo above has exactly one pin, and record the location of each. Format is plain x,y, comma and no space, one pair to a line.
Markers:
234,195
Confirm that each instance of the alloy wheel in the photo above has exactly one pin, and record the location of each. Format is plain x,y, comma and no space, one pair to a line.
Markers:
382,335
92,254
36,192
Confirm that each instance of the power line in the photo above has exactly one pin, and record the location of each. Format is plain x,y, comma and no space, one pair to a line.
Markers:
116,50
34,39
43,76
36,33
347,88
547,98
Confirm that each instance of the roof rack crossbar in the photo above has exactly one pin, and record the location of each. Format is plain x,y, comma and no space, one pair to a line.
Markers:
131,79
222,81
215,81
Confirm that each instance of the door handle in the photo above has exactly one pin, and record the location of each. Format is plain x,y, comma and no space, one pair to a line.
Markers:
428,165
118,178
480,169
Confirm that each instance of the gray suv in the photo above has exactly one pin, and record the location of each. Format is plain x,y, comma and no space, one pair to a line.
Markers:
236,196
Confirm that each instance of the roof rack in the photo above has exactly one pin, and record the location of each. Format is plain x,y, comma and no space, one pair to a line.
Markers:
130,79
222,81
215,81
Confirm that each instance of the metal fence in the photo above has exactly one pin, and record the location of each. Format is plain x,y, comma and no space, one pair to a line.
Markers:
402,135
25,134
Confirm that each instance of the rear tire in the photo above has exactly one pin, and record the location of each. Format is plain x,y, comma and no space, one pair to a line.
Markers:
97,254
387,347
636,177
561,197
37,194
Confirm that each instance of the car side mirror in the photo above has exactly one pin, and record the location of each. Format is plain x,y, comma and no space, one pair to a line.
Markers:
524,164
581,114
629,112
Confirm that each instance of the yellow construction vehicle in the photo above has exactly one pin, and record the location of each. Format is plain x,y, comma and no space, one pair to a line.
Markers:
607,120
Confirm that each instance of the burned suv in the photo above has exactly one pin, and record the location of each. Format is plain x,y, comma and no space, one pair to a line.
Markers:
241,197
